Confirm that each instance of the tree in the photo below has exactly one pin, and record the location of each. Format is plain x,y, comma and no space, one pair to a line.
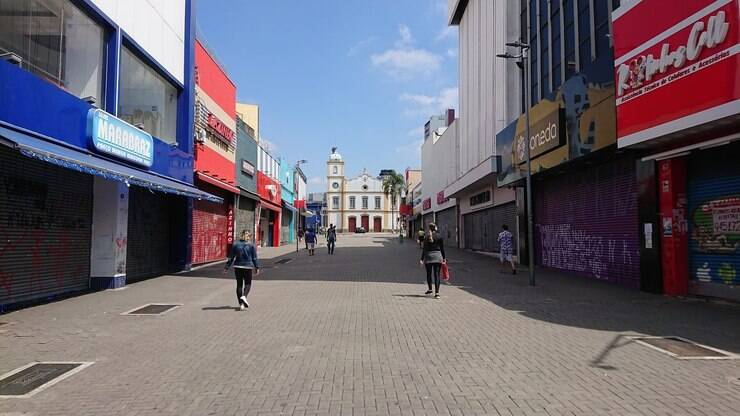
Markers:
392,185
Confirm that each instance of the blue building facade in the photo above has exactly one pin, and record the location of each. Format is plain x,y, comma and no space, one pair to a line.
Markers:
287,186
96,149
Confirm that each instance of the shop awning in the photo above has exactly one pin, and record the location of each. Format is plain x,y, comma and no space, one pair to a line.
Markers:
248,194
269,205
84,162
308,213
289,206
485,173
217,183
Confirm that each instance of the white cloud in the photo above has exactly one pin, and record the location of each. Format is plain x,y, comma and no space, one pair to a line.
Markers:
269,146
411,151
359,45
404,60
452,52
427,105
446,33
317,180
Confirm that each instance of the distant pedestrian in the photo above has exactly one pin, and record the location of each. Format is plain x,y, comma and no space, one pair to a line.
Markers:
243,257
432,257
310,241
300,234
506,246
420,237
331,238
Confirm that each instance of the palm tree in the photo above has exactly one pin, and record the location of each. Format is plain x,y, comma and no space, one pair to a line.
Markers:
392,186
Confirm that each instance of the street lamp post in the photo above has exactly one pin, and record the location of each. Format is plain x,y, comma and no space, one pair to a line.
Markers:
295,185
523,60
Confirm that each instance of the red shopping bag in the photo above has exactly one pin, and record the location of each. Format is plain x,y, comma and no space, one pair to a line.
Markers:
445,272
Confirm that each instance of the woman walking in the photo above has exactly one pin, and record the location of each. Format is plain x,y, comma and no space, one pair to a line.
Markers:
244,258
432,257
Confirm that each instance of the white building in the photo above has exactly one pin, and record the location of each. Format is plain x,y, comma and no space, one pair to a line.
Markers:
358,201
489,101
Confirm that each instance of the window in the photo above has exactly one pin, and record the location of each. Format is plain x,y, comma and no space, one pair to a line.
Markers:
602,18
480,198
584,33
351,202
57,42
364,202
557,67
570,38
377,202
147,99
335,202
335,170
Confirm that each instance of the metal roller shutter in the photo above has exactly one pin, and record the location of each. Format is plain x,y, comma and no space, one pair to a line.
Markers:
285,226
244,218
150,219
427,219
447,225
45,228
210,228
714,222
586,223
482,227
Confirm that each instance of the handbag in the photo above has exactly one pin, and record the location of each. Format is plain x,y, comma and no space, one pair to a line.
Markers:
445,272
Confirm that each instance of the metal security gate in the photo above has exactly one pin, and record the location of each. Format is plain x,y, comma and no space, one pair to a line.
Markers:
210,231
427,219
586,222
714,222
447,225
482,227
244,216
285,226
156,225
45,228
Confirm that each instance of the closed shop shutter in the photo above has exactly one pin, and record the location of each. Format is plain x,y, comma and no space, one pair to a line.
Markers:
586,223
285,225
427,219
447,225
482,227
45,228
714,222
153,219
244,216
210,231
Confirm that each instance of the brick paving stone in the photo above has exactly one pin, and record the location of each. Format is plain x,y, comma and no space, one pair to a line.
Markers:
351,334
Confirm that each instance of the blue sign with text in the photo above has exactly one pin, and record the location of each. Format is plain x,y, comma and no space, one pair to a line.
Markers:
113,136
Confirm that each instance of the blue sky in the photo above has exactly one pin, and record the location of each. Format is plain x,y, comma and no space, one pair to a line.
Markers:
362,75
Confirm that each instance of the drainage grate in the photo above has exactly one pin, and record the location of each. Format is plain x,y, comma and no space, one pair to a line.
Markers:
32,378
153,309
684,349
284,261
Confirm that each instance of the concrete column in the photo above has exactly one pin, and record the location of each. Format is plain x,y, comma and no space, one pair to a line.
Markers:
109,234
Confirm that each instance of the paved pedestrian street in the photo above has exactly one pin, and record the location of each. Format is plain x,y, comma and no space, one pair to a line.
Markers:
353,334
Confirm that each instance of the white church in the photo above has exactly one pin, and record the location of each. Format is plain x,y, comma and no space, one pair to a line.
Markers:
358,201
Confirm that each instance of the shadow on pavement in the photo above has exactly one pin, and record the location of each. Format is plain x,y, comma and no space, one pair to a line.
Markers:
558,298
220,308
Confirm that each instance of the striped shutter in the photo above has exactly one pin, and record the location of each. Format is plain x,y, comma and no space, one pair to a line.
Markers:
714,221
45,228
586,222
210,229
151,218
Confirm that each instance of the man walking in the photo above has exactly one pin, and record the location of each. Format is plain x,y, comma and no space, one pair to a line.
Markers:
310,241
331,238
506,247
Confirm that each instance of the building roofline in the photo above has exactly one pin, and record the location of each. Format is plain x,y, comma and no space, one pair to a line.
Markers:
457,11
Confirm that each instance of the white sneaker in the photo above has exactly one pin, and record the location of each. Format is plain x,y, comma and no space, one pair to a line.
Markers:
244,301
242,307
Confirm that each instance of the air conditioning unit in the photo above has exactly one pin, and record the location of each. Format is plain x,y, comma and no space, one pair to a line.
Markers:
200,135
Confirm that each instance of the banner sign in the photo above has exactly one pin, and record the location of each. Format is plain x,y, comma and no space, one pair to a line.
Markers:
115,137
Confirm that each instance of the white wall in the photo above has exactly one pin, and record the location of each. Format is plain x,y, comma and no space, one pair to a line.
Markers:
489,86
157,25
439,164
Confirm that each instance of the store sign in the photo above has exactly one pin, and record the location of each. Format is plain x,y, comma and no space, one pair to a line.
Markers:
115,137
247,167
545,135
676,71
441,199
220,128
230,225
427,204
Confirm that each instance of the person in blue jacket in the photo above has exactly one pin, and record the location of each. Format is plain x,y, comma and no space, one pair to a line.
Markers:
243,257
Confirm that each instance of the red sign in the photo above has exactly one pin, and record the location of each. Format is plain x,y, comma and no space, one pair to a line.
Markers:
676,66
220,128
426,204
299,203
268,188
405,209
441,199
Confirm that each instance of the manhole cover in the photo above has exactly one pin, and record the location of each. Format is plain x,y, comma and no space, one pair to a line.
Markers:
32,378
683,349
284,261
153,309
